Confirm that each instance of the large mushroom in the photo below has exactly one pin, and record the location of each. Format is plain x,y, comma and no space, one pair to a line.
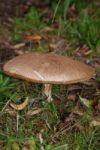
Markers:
48,68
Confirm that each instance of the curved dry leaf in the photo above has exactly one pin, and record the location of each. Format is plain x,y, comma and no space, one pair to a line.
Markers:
20,106
85,101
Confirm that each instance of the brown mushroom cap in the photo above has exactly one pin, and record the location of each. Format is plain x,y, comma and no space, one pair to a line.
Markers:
48,68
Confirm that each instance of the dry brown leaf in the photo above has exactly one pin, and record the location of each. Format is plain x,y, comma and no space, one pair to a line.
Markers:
20,106
10,111
78,111
72,97
19,45
19,52
34,112
94,123
88,53
33,38
52,46
85,101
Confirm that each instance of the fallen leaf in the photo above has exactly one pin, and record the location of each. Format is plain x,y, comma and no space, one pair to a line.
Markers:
83,50
52,46
85,101
20,52
88,52
33,38
94,123
20,106
19,45
34,112
72,96
77,111
10,111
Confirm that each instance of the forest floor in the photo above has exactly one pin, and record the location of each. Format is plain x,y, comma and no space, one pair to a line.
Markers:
72,120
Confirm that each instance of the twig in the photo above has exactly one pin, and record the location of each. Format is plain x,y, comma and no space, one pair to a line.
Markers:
17,121
41,141
6,105
56,11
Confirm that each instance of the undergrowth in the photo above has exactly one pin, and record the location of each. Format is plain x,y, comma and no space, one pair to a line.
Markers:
84,30
20,129
22,25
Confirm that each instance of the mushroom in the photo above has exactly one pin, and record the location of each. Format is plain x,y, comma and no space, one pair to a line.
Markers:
48,68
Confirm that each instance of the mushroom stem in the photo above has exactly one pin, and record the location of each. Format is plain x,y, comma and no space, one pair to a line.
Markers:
47,92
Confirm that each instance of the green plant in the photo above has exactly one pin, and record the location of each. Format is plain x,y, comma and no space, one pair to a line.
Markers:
61,8
60,147
5,86
27,23
66,5
87,140
85,29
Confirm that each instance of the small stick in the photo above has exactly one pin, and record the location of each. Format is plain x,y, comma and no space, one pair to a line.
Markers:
41,141
17,121
6,105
